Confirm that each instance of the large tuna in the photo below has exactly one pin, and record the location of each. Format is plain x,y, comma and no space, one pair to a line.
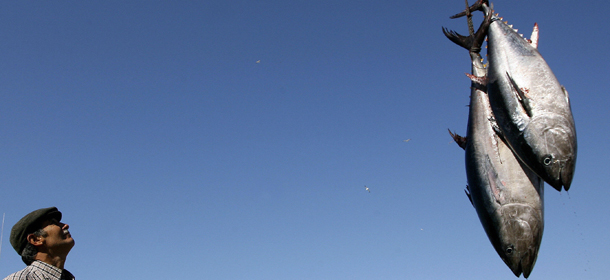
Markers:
507,196
531,107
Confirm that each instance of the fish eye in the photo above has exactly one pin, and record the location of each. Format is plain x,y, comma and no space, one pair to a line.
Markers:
548,159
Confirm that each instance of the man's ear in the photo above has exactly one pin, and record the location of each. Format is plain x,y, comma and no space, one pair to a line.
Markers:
35,240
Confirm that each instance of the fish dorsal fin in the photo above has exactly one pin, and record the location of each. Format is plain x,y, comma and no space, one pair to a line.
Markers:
534,38
521,95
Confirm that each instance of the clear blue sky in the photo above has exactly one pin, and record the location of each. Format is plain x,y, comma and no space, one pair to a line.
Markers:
233,139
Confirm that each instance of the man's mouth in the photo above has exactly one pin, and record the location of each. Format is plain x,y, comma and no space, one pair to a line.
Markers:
66,232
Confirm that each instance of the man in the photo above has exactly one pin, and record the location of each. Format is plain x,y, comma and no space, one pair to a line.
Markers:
43,243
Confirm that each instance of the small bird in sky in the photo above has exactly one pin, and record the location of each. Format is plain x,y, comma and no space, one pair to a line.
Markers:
407,140
258,61
367,188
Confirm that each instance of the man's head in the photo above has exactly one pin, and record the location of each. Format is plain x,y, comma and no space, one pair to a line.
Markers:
41,232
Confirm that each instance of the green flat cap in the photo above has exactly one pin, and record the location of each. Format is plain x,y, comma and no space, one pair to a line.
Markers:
29,224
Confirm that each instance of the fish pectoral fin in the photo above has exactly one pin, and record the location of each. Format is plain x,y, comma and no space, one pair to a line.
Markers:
495,184
461,141
497,136
521,95
467,191
494,125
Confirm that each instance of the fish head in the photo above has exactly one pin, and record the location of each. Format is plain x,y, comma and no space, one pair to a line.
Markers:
554,140
519,237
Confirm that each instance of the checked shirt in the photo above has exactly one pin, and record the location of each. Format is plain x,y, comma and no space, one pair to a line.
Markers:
40,271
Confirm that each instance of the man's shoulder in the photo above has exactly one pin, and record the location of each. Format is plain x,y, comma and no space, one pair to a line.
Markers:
36,270
21,274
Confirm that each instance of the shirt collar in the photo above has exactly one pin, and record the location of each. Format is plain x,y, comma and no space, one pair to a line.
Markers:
51,270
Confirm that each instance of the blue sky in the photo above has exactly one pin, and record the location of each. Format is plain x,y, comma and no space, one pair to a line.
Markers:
233,139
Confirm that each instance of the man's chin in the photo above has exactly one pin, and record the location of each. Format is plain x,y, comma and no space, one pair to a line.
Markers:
70,241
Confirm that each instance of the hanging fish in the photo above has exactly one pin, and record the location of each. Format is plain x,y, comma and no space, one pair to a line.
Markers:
507,196
530,106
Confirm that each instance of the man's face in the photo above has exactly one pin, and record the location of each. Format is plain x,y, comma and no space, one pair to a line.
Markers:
57,238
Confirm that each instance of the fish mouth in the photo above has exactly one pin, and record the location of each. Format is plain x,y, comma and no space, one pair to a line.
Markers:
519,265
522,236
525,263
526,270
566,174
519,269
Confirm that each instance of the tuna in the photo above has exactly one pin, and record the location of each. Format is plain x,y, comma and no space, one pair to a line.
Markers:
530,106
507,196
